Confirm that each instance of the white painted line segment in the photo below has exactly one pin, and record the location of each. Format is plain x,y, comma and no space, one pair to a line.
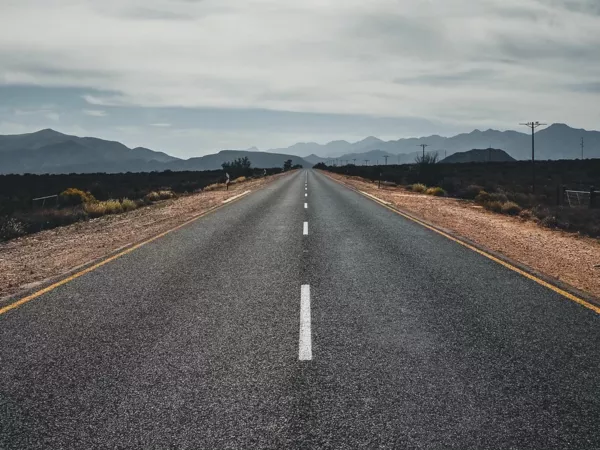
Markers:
306,206
375,198
305,229
305,344
306,195
236,196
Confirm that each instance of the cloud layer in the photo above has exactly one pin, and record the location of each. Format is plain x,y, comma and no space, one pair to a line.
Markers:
459,63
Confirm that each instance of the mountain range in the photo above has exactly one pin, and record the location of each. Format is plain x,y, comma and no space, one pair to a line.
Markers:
558,141
48,151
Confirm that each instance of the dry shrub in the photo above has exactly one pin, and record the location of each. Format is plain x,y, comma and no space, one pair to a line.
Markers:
128,205
152,196
215,187
164,195
74,197
418,187
102,208
493,205
470,192
511,208
436,191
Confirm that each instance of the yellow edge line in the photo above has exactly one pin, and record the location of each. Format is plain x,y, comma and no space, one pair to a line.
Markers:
556,289
106,261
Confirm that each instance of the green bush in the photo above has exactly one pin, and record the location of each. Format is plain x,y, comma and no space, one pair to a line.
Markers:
418,187
74,197
511,208
436,191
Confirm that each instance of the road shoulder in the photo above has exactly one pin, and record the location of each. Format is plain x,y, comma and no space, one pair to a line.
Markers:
32,262
560,259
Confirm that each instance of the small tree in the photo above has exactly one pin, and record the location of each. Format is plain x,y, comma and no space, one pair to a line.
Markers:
238,167
287,165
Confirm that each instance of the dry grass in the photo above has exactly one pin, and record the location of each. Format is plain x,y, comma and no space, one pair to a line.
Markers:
215,187
418,187
99,209
128,205
436,192
511,208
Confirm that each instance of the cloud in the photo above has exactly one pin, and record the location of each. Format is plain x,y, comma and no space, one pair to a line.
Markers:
95,112
456,62
160,125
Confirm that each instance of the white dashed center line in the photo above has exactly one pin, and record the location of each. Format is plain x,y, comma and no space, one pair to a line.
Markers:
305,343
306,195
305,229
306,206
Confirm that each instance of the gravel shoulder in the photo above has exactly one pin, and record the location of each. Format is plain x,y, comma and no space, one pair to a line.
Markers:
30,260
568,257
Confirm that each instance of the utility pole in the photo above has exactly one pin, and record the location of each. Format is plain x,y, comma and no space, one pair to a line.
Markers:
423,145
385,157
533,126
366,162
582,149
354,160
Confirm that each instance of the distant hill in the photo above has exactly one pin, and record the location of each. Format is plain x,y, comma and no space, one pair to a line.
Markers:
558,141
48,151
479,155
214,161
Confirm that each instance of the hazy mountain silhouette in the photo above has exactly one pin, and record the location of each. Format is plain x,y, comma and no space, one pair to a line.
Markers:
479,155
214,161
558,141
48,151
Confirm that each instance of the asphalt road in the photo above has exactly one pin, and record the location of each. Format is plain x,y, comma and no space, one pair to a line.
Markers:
242,331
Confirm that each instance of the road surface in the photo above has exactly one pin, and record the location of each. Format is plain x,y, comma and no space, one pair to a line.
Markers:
303,315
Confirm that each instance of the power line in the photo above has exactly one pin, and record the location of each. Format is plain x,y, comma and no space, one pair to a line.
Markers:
533,126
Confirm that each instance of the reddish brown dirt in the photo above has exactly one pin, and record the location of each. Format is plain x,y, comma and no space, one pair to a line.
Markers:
30,260
568,257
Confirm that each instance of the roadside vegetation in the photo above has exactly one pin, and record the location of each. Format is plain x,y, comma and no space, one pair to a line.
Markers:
500,187
78,197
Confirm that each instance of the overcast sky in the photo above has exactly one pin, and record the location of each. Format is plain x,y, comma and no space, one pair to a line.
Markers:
193,76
